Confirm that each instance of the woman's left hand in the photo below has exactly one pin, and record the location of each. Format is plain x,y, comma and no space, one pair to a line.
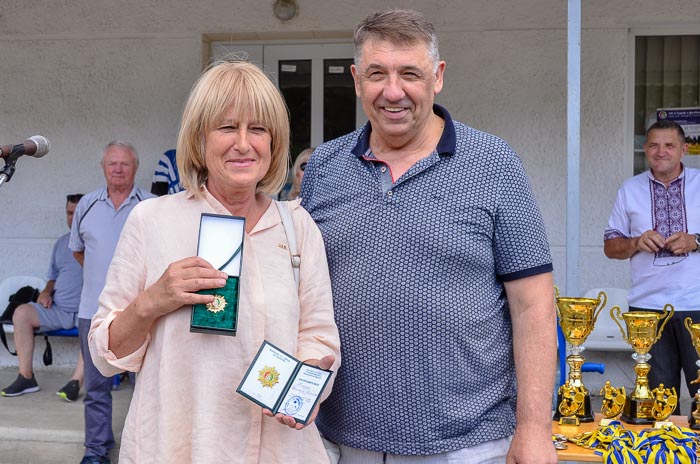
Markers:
324,363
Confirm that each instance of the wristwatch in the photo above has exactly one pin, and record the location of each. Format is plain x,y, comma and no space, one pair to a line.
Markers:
697,242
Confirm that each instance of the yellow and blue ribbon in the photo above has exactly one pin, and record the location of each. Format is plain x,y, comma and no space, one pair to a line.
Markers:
617,445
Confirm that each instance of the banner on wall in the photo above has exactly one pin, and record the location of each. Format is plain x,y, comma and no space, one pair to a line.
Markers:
689,120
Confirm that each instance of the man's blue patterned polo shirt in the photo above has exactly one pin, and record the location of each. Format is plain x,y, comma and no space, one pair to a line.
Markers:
417,267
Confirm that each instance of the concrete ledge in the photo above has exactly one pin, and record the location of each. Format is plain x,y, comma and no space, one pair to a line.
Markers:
21,452
44,435
65,352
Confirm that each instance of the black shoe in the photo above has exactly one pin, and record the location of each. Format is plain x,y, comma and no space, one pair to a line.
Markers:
95,460
70,391
21,386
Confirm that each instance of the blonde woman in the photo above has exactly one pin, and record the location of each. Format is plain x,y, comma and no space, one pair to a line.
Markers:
232,155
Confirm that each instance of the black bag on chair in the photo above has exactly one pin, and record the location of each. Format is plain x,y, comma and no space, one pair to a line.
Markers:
23,295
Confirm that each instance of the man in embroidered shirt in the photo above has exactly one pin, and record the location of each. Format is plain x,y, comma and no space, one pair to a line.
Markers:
655,223
440,267
98,221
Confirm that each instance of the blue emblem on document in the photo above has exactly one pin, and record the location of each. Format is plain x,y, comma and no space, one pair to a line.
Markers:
293,405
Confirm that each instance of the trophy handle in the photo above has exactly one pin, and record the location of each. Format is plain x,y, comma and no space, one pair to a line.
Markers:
663,324
602,301
619,316
688,323
556,292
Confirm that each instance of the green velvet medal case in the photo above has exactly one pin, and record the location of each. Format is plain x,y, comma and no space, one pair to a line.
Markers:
221,244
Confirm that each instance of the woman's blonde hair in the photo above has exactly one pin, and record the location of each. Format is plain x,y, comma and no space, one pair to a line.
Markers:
302,157
244,88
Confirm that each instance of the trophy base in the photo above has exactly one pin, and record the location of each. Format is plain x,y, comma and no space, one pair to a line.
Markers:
663,424
584,414
638,411
693,419
569,420
693,424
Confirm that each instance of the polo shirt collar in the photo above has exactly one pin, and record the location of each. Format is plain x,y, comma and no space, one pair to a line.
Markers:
104,195
446,145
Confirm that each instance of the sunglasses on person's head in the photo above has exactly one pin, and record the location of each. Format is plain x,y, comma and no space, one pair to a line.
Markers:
74,197
302,166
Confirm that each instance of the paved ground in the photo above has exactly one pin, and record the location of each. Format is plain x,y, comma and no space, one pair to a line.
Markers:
40,427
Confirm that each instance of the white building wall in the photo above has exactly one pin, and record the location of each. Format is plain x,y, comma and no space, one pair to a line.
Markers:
84,72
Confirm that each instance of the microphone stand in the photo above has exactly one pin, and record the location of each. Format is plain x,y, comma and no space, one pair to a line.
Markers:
9,169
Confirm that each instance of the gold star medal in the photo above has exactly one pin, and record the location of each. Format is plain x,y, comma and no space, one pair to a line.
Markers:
217,305
268,376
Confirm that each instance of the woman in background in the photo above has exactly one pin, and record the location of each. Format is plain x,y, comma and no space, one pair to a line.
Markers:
298,172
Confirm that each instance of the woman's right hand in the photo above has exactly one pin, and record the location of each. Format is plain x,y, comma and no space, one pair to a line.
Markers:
177,287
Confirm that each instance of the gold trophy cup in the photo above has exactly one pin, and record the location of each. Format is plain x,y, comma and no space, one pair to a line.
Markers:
577,318
694,329
642,332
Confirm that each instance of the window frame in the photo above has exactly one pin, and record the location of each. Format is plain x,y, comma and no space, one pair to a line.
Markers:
633,33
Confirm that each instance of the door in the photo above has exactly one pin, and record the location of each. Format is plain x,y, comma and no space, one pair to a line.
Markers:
317,85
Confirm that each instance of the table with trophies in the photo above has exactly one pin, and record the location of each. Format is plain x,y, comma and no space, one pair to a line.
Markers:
635,425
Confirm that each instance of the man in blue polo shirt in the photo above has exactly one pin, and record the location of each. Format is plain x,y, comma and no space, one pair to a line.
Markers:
98,221
441,272
55,308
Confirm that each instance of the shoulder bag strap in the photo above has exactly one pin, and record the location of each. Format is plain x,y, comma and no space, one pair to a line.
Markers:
48,352
288,224
3,337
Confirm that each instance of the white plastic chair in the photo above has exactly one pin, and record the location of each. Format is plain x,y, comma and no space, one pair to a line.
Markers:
606,334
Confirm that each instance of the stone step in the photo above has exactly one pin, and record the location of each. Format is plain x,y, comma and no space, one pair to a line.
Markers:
37,446
42,428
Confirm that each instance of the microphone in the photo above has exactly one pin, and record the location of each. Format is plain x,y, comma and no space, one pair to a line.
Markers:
36,146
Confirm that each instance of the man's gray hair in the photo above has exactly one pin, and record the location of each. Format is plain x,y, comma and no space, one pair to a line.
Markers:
404,27
119,143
